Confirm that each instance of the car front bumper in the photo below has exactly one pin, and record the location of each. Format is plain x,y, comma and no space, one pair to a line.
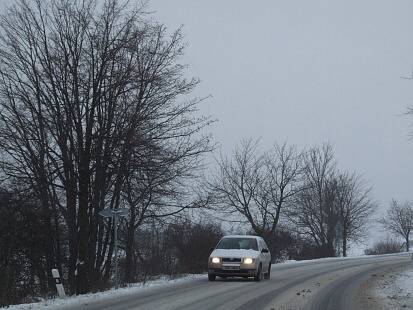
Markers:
232,273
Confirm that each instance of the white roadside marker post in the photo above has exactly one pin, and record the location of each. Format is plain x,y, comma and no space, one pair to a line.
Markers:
58,282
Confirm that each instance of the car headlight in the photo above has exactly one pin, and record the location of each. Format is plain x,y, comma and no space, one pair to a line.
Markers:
248,260
215,260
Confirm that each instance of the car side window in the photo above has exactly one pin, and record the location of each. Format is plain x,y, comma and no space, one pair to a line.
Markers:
264,245
261,245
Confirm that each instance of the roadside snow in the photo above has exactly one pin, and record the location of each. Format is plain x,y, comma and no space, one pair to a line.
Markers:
404,284
395,290
292,261
109,294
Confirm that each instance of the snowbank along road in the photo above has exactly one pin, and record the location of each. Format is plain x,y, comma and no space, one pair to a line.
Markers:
315,285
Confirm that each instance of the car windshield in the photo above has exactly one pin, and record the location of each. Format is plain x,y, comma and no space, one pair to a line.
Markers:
238,244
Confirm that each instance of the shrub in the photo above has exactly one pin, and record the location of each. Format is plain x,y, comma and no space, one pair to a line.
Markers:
386,246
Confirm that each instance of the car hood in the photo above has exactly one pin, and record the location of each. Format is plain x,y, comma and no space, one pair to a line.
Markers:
235,253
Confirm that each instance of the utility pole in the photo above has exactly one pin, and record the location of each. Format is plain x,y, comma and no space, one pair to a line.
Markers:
114,214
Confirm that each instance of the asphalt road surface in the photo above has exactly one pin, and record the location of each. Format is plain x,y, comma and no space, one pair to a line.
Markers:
314,285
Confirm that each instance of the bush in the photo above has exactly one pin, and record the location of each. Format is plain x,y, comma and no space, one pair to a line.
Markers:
23,236
191,244
176,248
285,245
385,247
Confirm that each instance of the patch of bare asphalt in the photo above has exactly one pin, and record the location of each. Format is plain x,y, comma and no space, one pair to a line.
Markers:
299,297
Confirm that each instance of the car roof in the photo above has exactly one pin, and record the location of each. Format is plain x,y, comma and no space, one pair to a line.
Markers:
242,236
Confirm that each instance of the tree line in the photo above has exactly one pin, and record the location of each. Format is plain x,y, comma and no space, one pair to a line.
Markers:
285,189
95,114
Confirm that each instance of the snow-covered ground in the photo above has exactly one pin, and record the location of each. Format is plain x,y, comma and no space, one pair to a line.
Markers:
406,280
131,289
395,290
326,259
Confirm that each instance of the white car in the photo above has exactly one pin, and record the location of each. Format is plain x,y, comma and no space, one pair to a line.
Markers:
240,256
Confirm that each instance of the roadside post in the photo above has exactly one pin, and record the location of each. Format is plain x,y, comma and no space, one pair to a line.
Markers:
114,214
58,282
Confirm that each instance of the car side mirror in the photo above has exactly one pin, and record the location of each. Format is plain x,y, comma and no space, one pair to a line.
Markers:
211,249
265,251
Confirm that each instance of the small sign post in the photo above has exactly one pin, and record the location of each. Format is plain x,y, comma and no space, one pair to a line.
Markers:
58,282
115,214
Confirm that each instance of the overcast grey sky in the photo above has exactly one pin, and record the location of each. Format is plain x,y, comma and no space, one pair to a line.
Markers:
308,72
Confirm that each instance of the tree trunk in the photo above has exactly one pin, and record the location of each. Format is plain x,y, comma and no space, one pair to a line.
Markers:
344,240
82,268
129,274
344,246
72,232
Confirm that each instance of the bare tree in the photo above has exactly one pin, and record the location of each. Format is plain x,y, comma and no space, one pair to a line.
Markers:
334,207
355,208
255,188
84,88
399,220
237,184
313,213
163,187
281,182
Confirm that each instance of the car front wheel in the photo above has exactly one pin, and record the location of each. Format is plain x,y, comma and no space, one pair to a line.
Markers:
257,277
211,277
268,274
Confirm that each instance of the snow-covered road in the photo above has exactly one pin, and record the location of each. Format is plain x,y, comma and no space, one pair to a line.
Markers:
319,284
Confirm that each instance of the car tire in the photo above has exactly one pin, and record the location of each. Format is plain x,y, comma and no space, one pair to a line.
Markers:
211,277
258,276
268,274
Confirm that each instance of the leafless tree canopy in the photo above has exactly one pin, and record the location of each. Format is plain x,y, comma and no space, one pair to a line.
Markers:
237,183
91,117
334,207
399,220
355,205
254,188
282,176
302,189
313,213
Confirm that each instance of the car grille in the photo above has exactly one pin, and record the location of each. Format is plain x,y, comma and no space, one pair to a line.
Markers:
231,260
236,272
